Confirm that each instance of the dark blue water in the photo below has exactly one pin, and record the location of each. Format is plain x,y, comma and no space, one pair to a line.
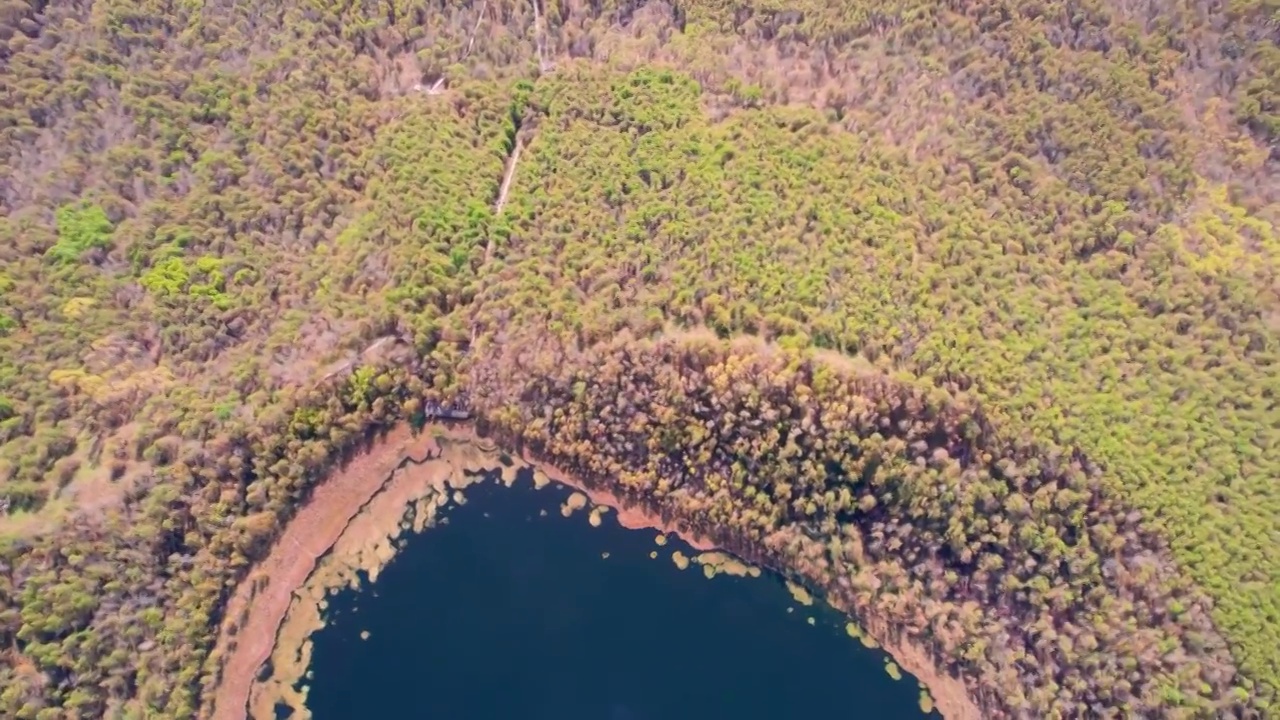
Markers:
507,614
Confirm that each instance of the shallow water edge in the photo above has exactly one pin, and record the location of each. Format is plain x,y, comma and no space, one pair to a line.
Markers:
350,525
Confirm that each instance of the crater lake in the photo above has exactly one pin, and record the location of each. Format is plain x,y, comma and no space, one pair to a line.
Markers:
509,610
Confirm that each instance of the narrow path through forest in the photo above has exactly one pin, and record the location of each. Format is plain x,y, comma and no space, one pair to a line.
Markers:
438,86
471,41
537,38
503,191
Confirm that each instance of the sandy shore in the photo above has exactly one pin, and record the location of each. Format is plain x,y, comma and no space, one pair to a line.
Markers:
261,606
256,609
628,517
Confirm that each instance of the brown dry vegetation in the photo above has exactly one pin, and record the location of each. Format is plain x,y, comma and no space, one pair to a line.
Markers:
255,610
1042,232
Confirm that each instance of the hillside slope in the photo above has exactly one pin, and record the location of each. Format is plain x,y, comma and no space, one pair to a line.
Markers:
1014,267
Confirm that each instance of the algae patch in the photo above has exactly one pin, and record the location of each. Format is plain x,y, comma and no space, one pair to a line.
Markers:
715,563
801,595
597,515
856,633
576,502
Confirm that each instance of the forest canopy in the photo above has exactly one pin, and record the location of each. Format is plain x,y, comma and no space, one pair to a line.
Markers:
965,313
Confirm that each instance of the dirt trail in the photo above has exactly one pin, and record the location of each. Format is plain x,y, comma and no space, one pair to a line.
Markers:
471,41
504,191
322,521
438,86
537,38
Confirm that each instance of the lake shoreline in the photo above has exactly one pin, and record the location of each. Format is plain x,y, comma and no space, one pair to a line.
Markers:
258,607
